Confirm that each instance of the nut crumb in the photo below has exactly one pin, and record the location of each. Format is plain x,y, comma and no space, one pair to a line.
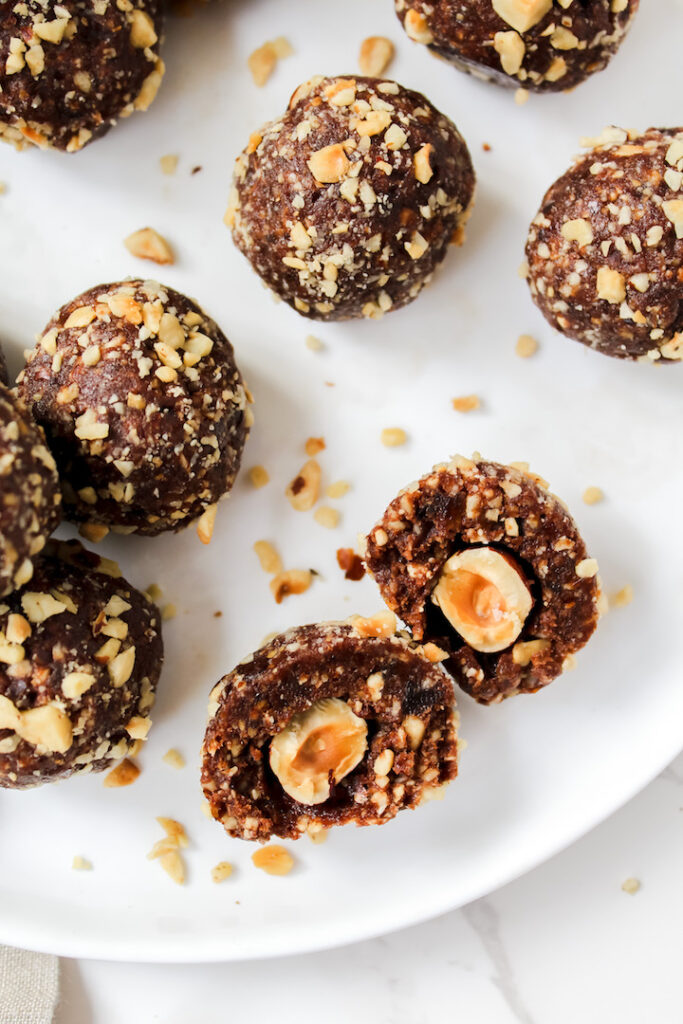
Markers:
148,244
304,490
376,54
526,346
168,612
521,96
326,516
206,523
263,60
314,445
94,532
631,886
124,774
593,495
338,489
221,871
174,759
258,476
293,581
466,403
623,597
268,557
153,592
174,866
393,437
81,864
175,832
274,860
314,344
168,163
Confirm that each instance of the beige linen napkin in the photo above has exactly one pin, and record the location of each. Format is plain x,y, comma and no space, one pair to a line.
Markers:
29,984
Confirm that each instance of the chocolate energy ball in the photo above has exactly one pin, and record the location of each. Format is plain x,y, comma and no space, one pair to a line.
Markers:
69,70
29,492
541,45
481,560
605,251
142,404
80,657
328,724
347,204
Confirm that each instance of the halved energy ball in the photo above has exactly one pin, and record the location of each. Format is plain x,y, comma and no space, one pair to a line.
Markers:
68,71
30,497
605,251
80,658
143,407
541,45
347,203
325,725
482,560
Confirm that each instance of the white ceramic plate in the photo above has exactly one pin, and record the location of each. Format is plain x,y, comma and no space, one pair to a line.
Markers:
539,771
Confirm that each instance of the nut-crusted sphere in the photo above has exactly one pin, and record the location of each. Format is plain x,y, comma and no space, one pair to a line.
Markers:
29,492
401,711
473,506
143,406
80,657
347,203
69,70
605,251
541,45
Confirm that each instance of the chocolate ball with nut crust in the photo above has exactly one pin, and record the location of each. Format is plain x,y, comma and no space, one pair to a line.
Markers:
605,251
80,658
346,204
69,71
541,45
143,407
30,497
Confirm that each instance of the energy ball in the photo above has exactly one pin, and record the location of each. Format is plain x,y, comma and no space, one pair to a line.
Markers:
69,70
347,204
143,407
542,45
605,251
29,492
483,561
325,725
80,658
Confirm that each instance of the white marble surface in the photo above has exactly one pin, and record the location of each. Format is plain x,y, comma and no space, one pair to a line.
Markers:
562,945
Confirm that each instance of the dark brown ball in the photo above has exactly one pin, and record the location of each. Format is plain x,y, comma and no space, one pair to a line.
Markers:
142,404
69,71
541,45
29,492
347,203
81,653
605,251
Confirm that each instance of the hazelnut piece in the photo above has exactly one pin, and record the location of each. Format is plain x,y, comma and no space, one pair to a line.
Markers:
485,597
319,746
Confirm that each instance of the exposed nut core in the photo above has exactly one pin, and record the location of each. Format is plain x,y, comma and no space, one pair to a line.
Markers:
485,597
319,747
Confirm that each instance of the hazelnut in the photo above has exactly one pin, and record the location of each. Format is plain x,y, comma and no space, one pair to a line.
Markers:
485,597
522,14
319,746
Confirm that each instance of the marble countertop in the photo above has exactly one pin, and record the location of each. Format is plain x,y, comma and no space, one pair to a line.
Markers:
562,944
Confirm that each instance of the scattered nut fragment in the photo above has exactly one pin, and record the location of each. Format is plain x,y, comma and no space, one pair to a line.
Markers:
318,746
485,597
268,557
623,597
466,403
168,612
376,54
173,865
631,886
258,476
338,489
351,564
175,832
94,532
124,774
587,568
314,445
168,163
262,61
273,859
393,437
148,244
313,343
292,581
304,490
174,759
521,97
593,495
206,523
326,516
383,624
221,871
81,864
526,346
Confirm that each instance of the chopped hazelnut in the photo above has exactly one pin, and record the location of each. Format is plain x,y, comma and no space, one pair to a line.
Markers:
148,244
593,495
393,437
304,489
292,581
314,445
526,346
273,859
268,557
221,871
376,54
124,774
467,403
326,516
258,476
